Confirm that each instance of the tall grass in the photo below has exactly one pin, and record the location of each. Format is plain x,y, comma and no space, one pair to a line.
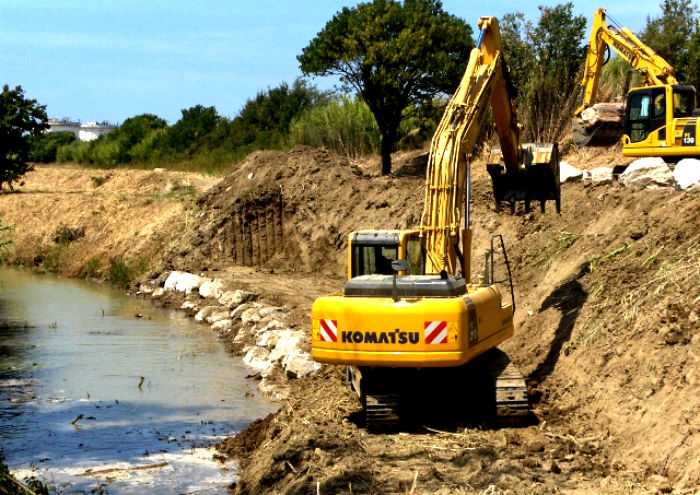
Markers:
345,126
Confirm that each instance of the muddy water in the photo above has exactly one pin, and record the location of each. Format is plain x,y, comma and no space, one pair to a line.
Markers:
75,410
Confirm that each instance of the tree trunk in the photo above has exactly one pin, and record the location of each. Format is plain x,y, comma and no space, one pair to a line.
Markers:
388,139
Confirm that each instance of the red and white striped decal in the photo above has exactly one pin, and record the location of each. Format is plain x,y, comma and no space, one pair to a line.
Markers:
435,332
329,330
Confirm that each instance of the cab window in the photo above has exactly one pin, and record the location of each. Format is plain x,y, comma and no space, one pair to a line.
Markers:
415,256
683,103
371,260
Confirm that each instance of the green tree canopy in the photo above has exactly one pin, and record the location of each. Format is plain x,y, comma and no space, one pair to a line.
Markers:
43,148
264,120
545,60
674,36
19,118
394,55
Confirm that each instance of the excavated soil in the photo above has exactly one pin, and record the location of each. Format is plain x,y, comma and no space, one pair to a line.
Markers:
607,317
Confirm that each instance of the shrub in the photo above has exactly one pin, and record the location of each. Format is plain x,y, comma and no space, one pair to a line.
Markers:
44,147
119,274
345,126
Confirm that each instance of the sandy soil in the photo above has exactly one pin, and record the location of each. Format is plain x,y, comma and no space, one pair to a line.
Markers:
606,321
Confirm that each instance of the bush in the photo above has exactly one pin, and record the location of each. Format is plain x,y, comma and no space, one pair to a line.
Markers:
43,148
345,126
91,269
119,274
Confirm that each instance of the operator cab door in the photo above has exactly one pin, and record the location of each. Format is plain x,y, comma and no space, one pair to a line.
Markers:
646,112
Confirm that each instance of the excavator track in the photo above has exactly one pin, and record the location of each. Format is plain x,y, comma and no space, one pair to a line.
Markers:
382,412
512,403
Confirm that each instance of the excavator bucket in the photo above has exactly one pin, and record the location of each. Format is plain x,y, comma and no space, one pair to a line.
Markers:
599,125
602,134
536,179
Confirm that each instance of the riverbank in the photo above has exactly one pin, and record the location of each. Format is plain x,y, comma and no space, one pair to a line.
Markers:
606,320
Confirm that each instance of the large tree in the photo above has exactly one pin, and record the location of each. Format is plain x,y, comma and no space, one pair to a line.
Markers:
19,118
394,55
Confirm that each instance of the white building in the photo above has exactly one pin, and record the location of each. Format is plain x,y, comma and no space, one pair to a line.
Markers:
93,130
64,125
84,132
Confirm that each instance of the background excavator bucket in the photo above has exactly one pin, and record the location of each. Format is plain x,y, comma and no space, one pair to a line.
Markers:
536,179
601,134
599,125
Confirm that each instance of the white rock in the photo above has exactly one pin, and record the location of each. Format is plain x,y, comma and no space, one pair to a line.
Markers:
290,342
258,359
600,175
268,338
300,364
265,312
211,288
272,325
651,172
250,315
217,316
236,313
235,298
222,325
146,289
568,173
188,305
182,282
687,173
171,281
205,312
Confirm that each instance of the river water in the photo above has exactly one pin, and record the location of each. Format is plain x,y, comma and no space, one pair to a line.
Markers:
75,410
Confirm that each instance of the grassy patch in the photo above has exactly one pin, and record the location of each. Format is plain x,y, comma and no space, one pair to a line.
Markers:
178,192
561,244
91,269
593,264
120,274
51,259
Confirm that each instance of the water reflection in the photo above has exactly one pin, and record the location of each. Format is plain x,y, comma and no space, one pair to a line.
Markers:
72,396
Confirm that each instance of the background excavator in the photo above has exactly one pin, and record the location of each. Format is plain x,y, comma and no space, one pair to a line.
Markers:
408,322
659,118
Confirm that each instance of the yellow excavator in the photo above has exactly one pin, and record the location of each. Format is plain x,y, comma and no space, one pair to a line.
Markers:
659,117
408,321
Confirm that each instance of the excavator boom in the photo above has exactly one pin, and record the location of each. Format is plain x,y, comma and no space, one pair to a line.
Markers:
519,172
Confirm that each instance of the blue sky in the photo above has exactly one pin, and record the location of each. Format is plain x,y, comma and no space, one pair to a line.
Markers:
110,60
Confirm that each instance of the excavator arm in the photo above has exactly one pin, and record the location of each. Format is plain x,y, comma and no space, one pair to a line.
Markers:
485,83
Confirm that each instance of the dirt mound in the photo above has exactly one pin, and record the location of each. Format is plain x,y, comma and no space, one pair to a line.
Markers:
293,211
606,331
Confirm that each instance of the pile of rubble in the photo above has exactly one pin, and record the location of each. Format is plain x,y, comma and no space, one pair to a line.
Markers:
257,331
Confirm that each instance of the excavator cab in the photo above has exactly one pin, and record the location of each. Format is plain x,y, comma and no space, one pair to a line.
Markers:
371,252
651,108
